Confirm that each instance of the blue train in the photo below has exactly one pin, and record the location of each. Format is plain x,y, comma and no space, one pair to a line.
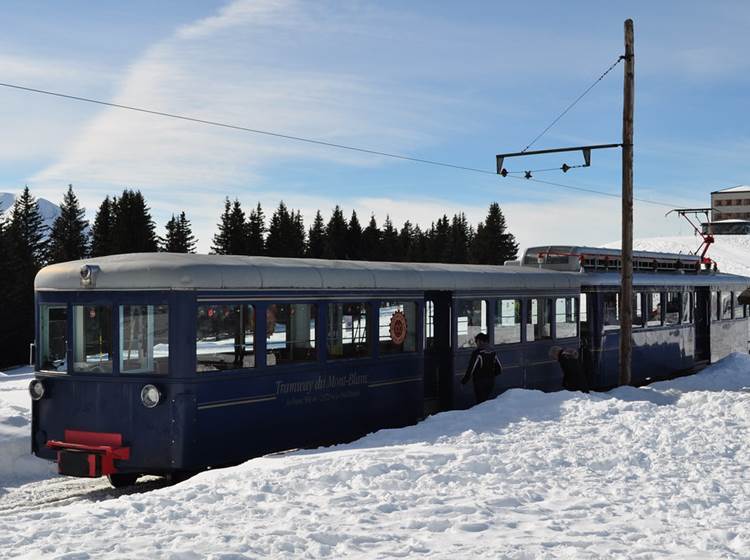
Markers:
169,364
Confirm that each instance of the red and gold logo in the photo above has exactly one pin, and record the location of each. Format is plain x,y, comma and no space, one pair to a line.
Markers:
398,327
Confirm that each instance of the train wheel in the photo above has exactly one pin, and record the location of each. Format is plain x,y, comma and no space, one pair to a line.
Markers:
176,477
121,480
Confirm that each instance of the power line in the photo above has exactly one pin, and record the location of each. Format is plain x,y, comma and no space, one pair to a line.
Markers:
569,107
243,128
310,140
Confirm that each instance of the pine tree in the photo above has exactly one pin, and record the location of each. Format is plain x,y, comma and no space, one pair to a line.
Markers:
354,238
286,233
179,237
101,236
405,241
371,237
336,235
459,239
133,229
438,240
68,240
255,228
24,241
316,238
418,250
492,244
232,236
389,246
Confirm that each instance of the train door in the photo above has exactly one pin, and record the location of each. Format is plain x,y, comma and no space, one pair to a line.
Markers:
702,317
438,354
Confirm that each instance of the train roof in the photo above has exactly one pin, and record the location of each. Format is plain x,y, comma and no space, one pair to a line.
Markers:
707,278
173,271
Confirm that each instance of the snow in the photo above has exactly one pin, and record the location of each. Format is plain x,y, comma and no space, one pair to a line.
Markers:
652,472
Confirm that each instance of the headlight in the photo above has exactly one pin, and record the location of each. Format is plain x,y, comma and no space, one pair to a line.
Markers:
150,396
36,389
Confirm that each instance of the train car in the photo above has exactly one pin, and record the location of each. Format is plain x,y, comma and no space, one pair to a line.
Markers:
684,315
169,364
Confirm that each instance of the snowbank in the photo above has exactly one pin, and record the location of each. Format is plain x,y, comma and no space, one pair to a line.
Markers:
651,472
17,465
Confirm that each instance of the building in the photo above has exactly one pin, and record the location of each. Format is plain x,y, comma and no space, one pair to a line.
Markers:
730,212
731,204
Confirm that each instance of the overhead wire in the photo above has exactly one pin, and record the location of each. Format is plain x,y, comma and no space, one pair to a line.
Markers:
312,140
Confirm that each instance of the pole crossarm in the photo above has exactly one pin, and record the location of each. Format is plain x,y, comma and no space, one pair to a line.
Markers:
585,149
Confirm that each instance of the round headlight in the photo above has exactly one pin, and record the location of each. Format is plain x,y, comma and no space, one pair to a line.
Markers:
36,389
150,396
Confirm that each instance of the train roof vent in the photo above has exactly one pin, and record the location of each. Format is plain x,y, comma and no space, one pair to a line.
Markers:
596,259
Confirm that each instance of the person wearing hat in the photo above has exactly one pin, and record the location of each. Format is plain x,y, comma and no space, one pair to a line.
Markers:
574,378
484,366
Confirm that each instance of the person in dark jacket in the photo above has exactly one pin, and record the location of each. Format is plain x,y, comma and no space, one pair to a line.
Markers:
484,366
574,378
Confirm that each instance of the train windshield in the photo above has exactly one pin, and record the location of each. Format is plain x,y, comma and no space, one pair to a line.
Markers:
92,338
144,338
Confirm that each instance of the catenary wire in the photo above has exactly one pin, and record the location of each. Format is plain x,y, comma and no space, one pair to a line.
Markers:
309,140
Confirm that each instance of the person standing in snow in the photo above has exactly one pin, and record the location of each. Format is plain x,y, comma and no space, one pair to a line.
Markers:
574,378
484,366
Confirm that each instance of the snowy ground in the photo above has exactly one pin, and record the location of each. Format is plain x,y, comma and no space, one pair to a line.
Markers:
653,472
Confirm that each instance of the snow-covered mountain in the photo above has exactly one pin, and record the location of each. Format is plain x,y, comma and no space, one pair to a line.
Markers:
47,209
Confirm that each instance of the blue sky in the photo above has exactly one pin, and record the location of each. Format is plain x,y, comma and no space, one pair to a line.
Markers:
455,82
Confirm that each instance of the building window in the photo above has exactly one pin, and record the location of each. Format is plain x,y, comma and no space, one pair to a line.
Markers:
538,326
637,309
738,307
144,338
566,317
225,337
347,331
53,334
507,321
655,311
397,327
92,338
471,319
715,310
672,314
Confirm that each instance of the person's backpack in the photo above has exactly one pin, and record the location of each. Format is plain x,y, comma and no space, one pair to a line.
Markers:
489,364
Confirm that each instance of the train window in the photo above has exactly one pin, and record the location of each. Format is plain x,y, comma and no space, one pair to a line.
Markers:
397,322
92,338
611,310
687,300
654,309
471,319
290,332
738,307
144,338
637,309
715,310
225,337
583,311
726,304
507,321
566,319
429,324
538,326
53,325
672,314
347,330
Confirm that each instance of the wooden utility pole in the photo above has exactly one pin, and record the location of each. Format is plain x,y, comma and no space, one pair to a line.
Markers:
626,293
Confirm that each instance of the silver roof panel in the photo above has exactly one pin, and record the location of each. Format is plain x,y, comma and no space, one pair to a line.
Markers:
172,271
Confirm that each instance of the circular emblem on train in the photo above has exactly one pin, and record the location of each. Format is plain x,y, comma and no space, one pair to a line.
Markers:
398,327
